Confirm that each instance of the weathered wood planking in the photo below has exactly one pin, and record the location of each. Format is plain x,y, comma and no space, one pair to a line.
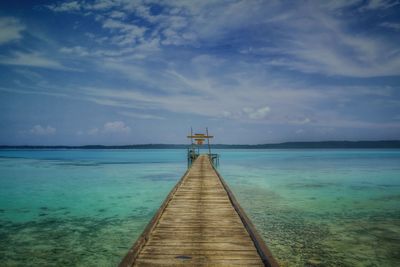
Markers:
200,224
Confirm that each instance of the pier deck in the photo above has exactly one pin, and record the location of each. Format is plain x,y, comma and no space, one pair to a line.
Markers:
200,224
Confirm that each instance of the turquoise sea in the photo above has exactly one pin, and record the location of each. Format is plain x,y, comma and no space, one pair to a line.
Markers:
87,207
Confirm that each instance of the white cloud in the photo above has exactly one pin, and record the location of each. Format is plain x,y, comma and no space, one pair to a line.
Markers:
129,33
306,105
10,29
32,60
102,4
65,7
339,4
93,131
97,5
323,44
78,50
141,116
379,4
116,127
226,114
40,130
303,120
122,26
30,75
391,25
117,14
257,114
313,39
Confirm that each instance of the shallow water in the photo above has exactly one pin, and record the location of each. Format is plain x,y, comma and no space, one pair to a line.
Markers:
87,207
322,208
77,207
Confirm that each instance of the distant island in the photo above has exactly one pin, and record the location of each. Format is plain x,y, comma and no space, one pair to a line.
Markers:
286,145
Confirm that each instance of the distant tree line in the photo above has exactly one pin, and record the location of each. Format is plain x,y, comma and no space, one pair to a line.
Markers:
286,145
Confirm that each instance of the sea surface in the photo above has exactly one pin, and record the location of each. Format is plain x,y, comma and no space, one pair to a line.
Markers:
87,207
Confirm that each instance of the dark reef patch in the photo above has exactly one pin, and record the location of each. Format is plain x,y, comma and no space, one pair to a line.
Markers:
347,237
160,177
388,198
309,185
78,241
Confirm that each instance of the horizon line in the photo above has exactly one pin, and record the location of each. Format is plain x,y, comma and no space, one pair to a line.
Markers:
216,144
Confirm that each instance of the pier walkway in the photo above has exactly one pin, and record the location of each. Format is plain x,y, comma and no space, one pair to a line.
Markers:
200,224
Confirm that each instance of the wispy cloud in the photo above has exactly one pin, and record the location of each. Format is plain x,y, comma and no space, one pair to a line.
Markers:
141,116
322,44
129,34
34,59
93,131
379,4
42,130
257,114
314,39
118,127
65,6
112,127
391,25
10,29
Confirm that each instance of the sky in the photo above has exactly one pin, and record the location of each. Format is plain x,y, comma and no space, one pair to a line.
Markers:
118,72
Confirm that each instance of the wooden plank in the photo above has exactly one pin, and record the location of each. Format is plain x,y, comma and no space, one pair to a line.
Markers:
226,255
199,224
198,262
204,252
196,246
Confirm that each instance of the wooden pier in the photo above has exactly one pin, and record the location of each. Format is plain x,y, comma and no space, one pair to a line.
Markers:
200,223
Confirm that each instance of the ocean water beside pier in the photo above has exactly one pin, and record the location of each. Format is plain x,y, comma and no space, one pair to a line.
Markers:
313,207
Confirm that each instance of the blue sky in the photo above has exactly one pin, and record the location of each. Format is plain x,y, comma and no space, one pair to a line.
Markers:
133,72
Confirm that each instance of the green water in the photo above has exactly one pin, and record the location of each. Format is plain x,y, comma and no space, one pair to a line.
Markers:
322,208
79,208
87,207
